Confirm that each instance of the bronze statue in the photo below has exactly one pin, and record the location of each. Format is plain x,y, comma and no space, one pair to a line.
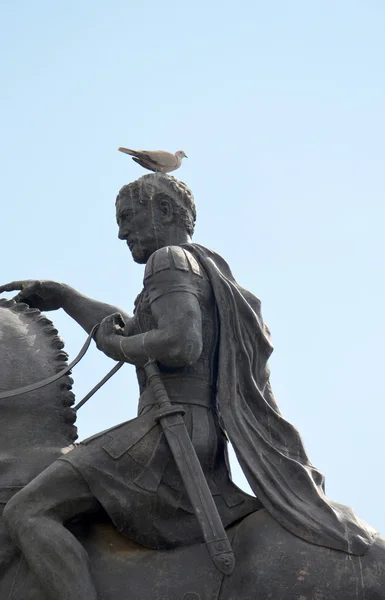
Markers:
208,338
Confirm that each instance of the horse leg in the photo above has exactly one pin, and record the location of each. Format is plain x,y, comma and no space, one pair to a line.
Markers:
35,517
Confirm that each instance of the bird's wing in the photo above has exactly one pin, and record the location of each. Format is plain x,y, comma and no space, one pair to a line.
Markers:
159,158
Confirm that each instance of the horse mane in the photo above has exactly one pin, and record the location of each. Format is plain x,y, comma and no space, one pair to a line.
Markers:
34,315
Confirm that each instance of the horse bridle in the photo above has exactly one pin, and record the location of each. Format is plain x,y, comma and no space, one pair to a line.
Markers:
44,382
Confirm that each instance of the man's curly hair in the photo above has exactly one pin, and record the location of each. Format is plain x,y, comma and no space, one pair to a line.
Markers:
154,187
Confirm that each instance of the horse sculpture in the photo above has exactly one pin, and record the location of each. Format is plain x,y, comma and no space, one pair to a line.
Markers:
37,427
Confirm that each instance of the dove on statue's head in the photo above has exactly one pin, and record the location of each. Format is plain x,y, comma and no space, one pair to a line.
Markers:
156,160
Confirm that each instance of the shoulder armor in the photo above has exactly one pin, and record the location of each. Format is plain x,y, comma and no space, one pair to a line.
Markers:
172,257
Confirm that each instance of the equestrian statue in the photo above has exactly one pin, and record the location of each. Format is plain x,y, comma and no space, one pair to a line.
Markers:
148,509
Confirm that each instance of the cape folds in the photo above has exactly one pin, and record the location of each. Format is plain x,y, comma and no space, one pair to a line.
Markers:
269,448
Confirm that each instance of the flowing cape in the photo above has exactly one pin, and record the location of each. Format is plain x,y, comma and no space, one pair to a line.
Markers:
269,448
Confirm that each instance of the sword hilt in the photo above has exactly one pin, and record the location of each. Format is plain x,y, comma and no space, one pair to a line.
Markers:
153,375
165,408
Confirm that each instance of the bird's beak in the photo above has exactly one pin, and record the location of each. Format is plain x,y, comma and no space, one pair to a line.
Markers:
185,156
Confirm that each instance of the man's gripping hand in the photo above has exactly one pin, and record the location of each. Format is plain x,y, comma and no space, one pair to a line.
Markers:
108,335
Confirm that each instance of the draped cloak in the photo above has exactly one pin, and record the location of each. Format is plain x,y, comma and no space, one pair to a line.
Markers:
269,448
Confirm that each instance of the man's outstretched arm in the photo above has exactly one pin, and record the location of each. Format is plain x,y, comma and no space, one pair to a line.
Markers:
88,312
51,295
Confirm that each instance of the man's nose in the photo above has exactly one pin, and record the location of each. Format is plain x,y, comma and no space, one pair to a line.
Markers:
122,233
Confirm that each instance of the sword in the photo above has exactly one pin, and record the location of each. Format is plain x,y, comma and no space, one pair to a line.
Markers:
170,417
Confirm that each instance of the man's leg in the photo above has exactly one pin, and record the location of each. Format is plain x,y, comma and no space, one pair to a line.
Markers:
35,518
8,550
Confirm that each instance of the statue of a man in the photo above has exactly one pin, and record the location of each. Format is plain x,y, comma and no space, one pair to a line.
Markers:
212,347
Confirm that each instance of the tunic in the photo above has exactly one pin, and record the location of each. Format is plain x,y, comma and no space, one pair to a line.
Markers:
129,468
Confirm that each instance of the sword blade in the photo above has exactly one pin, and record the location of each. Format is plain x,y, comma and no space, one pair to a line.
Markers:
198,490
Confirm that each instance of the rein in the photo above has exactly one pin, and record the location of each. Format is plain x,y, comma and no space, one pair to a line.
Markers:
65,371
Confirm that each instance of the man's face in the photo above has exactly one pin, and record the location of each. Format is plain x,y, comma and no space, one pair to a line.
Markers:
140,225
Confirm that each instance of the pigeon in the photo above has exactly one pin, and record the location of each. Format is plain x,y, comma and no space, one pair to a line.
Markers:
156,160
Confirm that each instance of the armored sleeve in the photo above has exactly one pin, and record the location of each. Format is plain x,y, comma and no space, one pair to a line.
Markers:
172,269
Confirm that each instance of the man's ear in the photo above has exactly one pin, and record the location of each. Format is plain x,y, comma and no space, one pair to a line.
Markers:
167,210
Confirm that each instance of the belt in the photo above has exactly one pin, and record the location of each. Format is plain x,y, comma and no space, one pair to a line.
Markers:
181,391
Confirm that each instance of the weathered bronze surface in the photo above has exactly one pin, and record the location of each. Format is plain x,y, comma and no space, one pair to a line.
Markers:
113,518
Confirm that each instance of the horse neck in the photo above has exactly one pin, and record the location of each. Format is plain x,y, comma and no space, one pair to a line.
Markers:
30,350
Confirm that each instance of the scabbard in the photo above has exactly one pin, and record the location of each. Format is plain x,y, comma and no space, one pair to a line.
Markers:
170,417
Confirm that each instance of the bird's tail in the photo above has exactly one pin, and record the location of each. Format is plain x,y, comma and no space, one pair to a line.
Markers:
128,151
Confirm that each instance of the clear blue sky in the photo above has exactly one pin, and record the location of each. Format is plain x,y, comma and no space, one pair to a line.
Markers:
280,108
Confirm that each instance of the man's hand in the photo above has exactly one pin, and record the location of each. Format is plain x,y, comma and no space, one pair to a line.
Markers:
108,335
44,295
